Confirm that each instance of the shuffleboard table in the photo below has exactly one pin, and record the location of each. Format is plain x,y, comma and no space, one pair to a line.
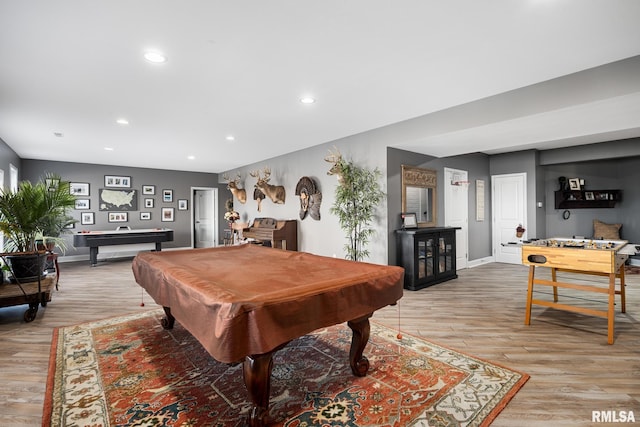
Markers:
95,239
243,303
594,257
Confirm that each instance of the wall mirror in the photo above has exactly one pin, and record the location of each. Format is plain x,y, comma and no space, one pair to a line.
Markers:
419,194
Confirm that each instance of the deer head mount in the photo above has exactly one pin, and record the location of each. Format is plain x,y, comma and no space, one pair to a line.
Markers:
335,158
275,192
239,193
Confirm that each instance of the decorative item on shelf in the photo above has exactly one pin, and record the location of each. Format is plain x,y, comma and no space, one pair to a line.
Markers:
276,193
310,198
231,216
520,230
239,193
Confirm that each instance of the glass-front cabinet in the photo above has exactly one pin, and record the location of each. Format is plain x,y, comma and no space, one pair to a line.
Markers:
428,255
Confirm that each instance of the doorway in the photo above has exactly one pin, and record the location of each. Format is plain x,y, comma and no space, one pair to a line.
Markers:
204,230
509,203
456,211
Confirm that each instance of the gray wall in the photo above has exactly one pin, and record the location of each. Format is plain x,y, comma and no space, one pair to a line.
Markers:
7,157
179,182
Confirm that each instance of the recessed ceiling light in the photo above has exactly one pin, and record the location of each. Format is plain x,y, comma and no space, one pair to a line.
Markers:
230,138
155,57
122,121
191,157
108,149
307,100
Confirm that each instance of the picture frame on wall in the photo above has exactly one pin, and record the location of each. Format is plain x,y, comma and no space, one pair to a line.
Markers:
87,218
145,216
167,215
149,190
167,196
82,204
118,217
574,184
117,181
79,188
183,205
148,203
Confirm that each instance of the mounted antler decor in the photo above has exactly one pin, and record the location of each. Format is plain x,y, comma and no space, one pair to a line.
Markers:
275,192
239,193
310,198
259,196
357,197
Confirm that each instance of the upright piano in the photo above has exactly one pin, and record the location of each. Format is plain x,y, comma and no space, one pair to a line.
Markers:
281,234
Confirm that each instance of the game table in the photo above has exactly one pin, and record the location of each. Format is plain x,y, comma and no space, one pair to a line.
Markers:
584,256
123,236
243,303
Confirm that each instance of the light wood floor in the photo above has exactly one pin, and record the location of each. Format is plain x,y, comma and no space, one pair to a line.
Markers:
573,370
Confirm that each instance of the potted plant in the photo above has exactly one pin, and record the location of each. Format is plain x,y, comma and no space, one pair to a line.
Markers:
35,210
520,230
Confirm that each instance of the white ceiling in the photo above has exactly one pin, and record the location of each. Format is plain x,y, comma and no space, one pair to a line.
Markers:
240,67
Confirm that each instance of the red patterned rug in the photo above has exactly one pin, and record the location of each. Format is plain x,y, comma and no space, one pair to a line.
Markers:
129,371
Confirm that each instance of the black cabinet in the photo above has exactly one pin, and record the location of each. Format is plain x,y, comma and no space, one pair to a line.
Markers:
581,199
428,255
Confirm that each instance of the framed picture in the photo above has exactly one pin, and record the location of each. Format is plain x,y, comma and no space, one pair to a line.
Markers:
118,217
117,181
409,220
145,216
182,204
87,218
82,203
589,195
117,200
79,188
574,184
148,203
167,196
167,215
149,190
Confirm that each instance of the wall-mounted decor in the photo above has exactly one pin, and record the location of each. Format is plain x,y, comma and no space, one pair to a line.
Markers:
167,215
259,197
310,198
148,203
117,181
149,190
52,184
145,216
87,218
275,192
239,193
183,204
82,203
419,194
118,200
118,217
574,184
79,188
167,196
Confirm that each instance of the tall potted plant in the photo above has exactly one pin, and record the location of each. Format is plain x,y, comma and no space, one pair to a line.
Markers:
357,197
32,211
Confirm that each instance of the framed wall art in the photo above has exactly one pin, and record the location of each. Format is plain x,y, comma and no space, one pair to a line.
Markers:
118,200
117,181
87,218
167,215
149,190
79,188
183,204
82,203
148,203
167,196
145,216
118,217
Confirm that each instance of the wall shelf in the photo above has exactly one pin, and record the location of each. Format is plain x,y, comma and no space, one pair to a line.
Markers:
587,199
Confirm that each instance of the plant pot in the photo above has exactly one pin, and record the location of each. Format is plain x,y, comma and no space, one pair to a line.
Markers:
519,233
27,267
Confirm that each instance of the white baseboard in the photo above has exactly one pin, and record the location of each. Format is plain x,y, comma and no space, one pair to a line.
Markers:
480,261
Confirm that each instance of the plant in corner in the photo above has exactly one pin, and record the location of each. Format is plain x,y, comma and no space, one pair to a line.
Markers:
34,210
357,197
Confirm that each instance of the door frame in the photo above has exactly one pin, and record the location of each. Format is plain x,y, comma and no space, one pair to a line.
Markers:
495,229
214,216
462,260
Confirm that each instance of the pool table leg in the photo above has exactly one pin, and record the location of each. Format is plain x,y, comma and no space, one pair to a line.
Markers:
169,321
361,329
256,370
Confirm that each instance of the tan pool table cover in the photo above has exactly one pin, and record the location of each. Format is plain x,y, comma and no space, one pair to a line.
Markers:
248,299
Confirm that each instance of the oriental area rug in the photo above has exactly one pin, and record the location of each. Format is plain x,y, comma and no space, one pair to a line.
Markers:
129,371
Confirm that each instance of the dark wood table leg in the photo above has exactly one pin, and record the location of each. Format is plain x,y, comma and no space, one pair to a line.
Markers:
169,321
361,330
256,370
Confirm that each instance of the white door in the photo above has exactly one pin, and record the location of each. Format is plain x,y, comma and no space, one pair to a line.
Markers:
204,202
456,211
509,202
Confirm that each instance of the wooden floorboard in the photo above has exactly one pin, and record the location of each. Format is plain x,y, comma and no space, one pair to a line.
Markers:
573,369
